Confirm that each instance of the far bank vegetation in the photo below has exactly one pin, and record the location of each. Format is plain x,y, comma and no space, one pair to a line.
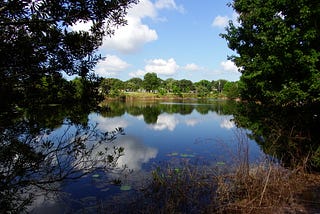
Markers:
153,87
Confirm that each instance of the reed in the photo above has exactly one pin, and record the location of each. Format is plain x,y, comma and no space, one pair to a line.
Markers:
265,187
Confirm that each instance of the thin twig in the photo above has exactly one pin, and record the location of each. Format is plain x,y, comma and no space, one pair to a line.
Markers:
265,185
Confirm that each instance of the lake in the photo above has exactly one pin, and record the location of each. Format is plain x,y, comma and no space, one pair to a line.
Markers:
155,134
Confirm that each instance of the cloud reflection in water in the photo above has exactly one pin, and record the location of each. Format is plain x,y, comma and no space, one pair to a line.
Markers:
135,152
227,124
165,121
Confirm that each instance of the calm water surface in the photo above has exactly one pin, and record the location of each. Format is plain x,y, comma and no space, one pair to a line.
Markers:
156,134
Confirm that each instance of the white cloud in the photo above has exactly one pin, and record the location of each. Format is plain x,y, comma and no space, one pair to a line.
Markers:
133,36
110,66
192,67
145,8
161,66
81,26
139,73
220,21
130,38
169,4
229,66
164,67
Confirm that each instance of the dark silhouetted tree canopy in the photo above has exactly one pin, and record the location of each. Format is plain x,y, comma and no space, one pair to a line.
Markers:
37,40
278,50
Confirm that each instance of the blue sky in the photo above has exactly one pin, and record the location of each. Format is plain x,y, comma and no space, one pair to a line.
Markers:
174,38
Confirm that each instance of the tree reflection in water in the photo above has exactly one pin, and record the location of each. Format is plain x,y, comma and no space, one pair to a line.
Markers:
291,134
32,163
35,158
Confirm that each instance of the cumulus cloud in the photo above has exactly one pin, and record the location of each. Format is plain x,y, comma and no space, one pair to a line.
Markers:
139,73
145,8
131,37
192,67
161,66
220,21
81,26
229,66
165,67
169,4
158,66
110,66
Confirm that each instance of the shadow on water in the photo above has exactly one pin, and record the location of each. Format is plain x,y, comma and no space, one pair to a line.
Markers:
290,134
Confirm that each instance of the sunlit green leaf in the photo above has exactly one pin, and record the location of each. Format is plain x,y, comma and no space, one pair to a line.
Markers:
125,188
187,155
96,176
221,163
173,154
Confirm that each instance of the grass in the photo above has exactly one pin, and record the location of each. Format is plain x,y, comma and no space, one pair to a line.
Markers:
266,187
149,95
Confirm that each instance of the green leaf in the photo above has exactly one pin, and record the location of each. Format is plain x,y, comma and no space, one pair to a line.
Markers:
221,163
173,154
125,188
187,155
96,176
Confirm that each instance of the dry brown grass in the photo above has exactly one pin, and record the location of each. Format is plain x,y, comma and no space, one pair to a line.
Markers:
265,188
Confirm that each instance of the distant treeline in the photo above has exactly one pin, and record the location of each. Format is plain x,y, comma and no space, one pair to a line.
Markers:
113,87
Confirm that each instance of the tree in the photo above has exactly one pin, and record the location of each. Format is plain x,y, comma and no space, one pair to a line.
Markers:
37,45
185,85
133,84
151,82
36,39
111,84
218,85
203,87
278,50
231,90
169,84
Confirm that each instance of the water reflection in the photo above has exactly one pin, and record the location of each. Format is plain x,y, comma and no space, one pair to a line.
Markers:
165,121
291,133
107,124
227,124
32,164
192,121
151,110
135,152
78,144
